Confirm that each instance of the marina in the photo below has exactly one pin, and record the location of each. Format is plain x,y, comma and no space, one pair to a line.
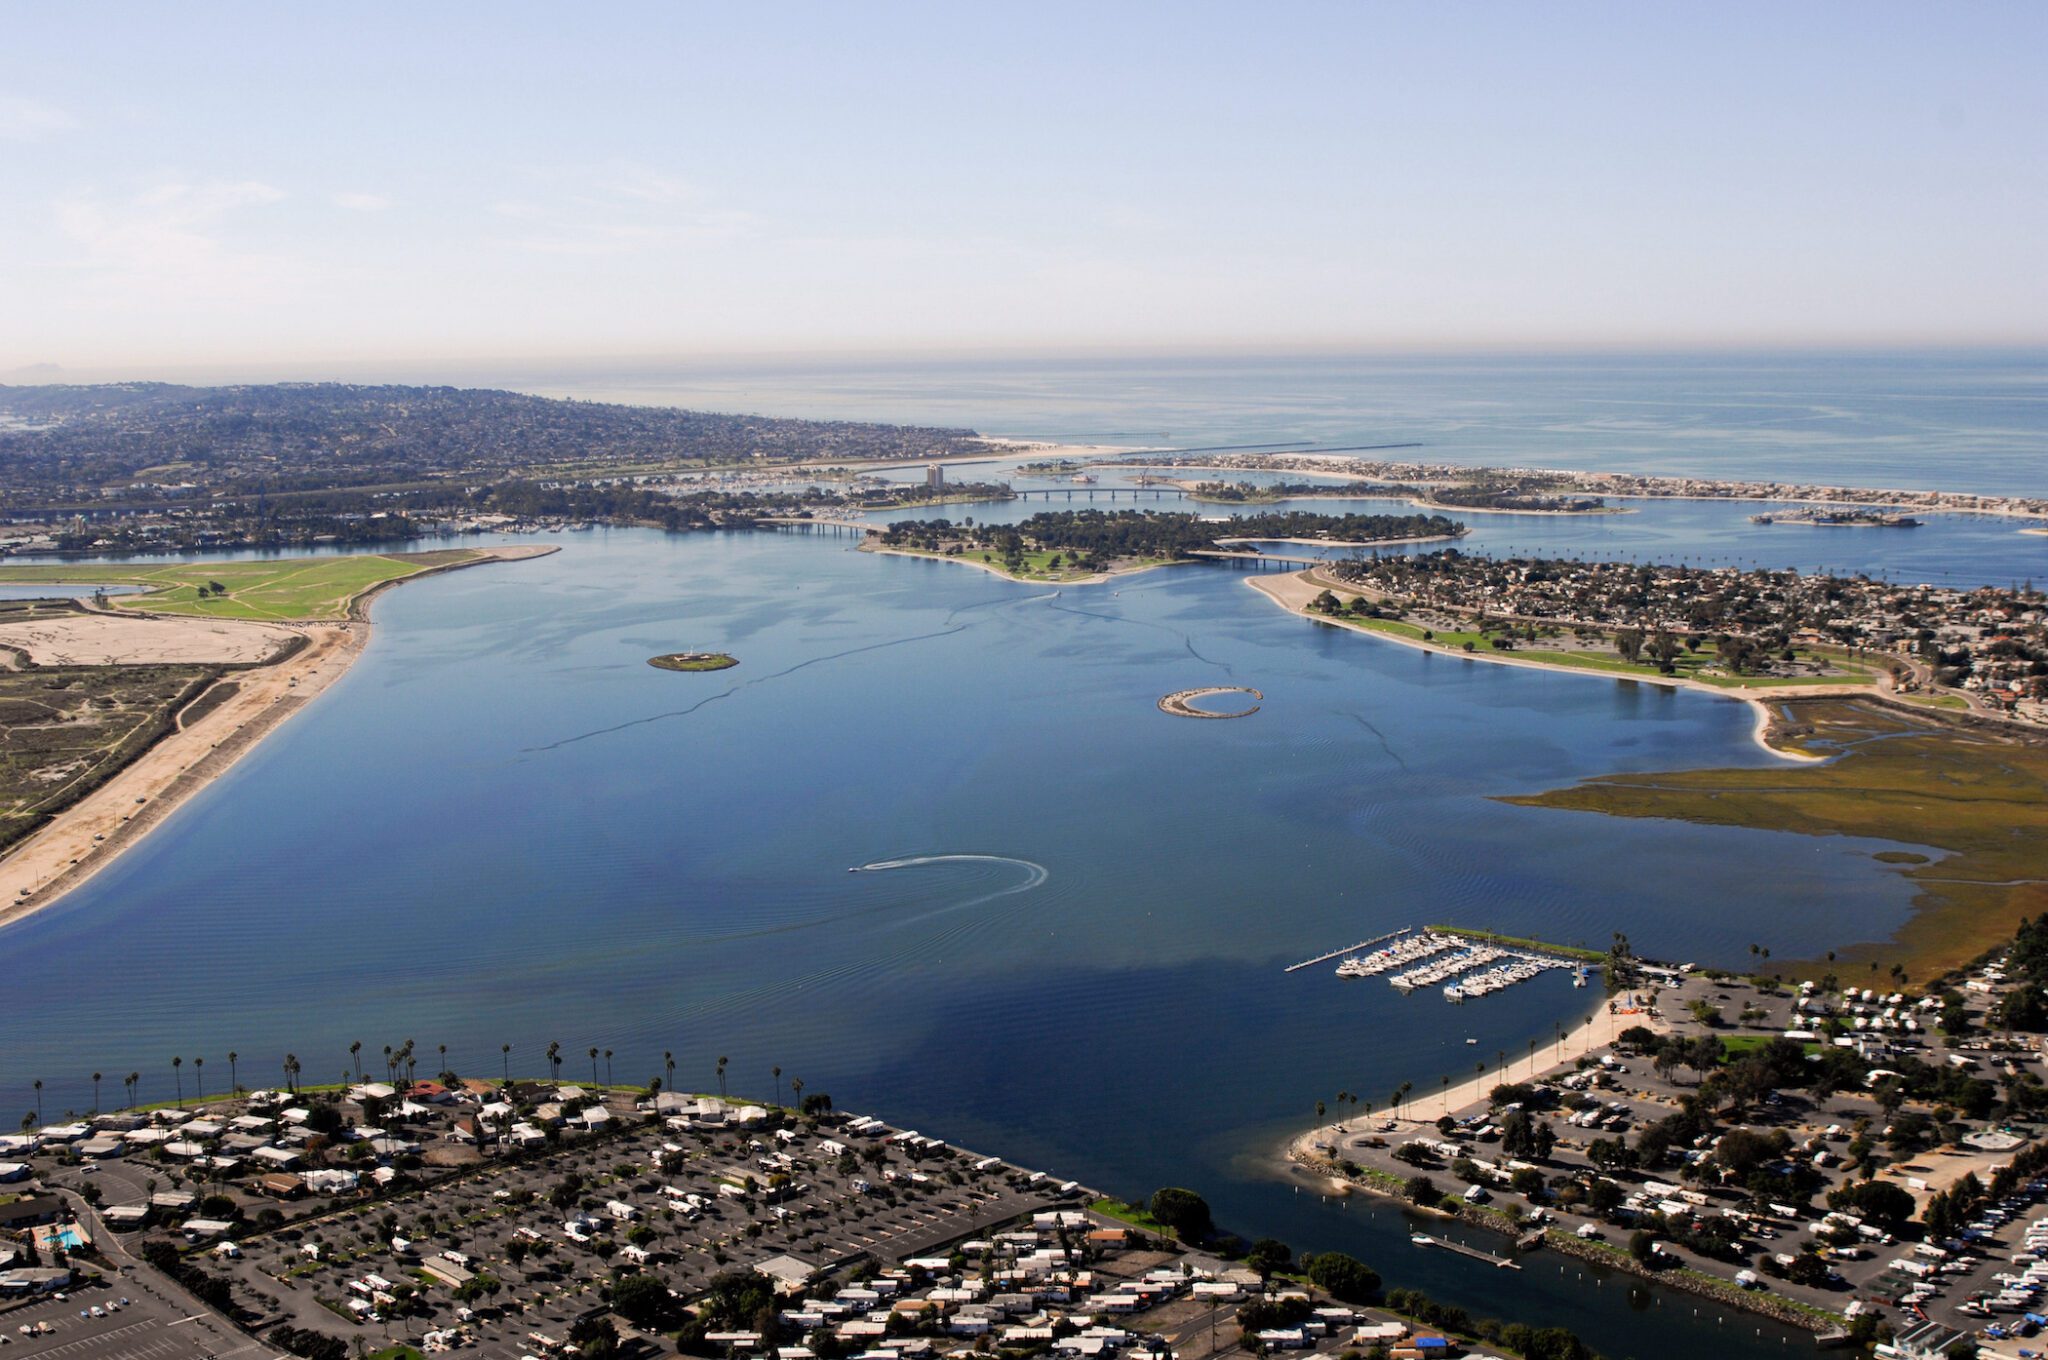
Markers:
1466,968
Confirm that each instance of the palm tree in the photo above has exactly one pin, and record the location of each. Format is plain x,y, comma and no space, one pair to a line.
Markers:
721,1078
505,1052
607,1067
593,1064
95,1093
199,1076
444,1060
668,1064
39,1100
796,1087
555,1059
778,1084
1319,1112
133,1079
355,1055
178,1070
291,1072
235,1078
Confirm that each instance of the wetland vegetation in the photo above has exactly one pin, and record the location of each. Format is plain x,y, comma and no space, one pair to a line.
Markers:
1978,792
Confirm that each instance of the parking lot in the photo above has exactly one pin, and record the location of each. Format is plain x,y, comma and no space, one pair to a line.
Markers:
512,1253
138,1321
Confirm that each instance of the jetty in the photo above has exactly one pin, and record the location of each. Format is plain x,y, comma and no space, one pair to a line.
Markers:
1347,949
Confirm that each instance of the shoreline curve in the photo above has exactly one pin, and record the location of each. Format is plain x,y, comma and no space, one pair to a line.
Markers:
68,850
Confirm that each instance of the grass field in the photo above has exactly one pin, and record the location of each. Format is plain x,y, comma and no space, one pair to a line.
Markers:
277,591
1689,665
1979,795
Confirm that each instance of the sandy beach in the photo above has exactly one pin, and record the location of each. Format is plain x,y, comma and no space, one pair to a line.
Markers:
86,837
1420,1113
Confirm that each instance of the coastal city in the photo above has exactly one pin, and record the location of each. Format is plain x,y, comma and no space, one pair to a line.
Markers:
1060,682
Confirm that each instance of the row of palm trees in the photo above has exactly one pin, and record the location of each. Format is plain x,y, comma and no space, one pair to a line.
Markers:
402,1058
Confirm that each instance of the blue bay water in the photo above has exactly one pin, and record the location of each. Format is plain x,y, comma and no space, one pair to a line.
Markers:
502,826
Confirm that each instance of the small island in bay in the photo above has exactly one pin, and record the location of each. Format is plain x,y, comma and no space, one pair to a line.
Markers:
1181,703
1839,519
1083,546
693,661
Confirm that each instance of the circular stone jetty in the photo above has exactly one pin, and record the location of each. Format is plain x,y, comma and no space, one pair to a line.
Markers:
1180,703
692,661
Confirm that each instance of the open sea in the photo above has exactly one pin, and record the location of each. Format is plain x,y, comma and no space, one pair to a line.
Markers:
1066,944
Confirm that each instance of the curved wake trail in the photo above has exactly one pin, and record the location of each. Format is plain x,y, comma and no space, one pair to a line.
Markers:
745,684
1035,874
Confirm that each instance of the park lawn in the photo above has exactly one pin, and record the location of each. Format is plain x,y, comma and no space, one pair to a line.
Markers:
276,590
1733,1046
1036,564
1690,665
1133,1214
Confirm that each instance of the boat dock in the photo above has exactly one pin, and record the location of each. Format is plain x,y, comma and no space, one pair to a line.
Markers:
1425,1240
1347,949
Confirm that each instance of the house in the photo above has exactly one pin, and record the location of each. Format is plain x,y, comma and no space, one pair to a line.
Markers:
29,1210
447,1272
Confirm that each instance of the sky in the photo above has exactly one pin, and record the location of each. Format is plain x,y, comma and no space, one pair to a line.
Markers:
218,184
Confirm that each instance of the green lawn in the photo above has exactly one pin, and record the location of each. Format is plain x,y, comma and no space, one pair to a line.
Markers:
1734,1046
281,590
1690,665
1034,565
1132,1214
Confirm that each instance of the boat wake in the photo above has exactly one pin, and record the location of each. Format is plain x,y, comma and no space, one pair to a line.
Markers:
1034,874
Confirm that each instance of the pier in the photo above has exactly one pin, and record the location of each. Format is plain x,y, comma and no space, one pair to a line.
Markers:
1425,1240
1347,949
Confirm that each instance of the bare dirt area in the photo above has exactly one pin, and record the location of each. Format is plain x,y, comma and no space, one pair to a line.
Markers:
79,841
92,639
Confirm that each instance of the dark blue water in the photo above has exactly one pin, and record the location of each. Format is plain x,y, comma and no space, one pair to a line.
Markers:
1967,421
502,826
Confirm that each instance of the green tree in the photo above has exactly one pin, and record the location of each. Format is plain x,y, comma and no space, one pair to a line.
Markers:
1342,1277
1184,1211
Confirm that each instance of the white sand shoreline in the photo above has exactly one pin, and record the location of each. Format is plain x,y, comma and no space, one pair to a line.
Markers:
1596,1031
1292,592
91,834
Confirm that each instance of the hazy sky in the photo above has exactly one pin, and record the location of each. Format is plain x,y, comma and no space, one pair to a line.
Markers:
209,182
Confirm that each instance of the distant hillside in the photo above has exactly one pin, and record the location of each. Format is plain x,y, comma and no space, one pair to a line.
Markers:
62,442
